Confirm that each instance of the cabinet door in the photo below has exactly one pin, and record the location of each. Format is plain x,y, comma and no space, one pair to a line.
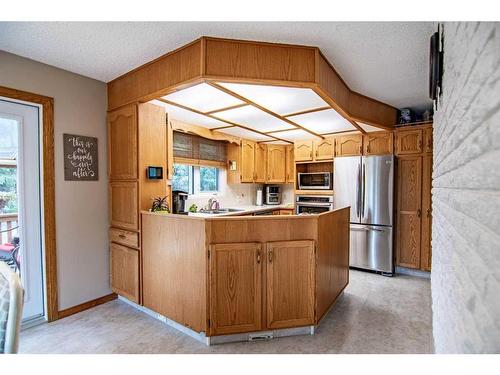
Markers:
378,143
428,140
122,143
247,161
409,211
304,151
124,271
235,288
324,149
409,142
290,165
276,164
290,284
349,145
425,261
123,204
260,172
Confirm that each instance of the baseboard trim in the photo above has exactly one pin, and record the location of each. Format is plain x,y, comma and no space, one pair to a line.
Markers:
412,272
86,305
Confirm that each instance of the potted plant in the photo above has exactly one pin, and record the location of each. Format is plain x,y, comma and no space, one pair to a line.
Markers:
160,205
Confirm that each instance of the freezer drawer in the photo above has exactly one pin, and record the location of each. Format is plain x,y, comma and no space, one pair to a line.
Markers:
371,248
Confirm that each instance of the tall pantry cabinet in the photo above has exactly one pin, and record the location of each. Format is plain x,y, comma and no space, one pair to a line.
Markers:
137,138
413,209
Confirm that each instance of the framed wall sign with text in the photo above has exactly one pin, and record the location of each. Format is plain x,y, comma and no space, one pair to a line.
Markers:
80,158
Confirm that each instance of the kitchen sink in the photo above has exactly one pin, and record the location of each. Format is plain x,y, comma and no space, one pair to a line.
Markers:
220,211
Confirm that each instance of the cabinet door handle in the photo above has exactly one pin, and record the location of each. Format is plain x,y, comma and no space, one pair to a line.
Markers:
258,256
419,213
311,154
317,153
360,150
121,235
420,145
428,212
270,255
367,148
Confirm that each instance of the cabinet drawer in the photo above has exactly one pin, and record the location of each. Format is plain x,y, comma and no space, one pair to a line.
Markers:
124,237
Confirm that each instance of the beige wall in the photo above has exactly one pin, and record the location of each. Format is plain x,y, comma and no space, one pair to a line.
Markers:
81,207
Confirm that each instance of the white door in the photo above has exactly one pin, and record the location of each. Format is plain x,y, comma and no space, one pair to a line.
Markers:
22,121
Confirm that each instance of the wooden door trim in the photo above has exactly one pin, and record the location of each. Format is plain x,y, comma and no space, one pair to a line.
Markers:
49,212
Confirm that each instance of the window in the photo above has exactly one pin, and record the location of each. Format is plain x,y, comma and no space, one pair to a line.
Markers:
8,167
196,179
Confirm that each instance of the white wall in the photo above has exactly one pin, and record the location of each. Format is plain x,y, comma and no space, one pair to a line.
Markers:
466,193
81,207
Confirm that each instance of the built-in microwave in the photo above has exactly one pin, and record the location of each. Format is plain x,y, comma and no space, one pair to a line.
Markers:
315,181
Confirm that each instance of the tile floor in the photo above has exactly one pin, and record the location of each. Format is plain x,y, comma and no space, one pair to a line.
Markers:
375,315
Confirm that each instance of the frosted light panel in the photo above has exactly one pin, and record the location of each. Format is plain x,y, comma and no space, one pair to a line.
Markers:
326,121
293,135
176,113
254,118
280,100
243,133
203,98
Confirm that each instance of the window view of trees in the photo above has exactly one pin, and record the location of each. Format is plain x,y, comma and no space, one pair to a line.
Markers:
209,180
195,180
8,190
8,169
181,180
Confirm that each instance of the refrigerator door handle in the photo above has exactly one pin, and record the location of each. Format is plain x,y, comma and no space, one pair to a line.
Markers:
358,193
362,213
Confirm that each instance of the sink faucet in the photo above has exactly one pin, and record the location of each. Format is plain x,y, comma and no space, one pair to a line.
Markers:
213,204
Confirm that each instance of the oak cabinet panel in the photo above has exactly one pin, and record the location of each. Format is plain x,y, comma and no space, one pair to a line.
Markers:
290,165
349,145
290,284
409,142
124,271
122,143
247,161
260,172
235,288
324,149
276,164
304,151
378,143
428,140
124,210
124,237
425,261
409,211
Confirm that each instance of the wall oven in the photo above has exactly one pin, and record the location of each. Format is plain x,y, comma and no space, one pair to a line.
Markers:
313,204
315,181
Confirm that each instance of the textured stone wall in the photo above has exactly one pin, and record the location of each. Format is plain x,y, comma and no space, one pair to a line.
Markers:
466,193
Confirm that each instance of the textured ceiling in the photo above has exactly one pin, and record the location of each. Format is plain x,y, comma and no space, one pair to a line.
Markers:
384,60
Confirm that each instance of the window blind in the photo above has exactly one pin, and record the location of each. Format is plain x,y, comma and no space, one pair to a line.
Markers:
193,149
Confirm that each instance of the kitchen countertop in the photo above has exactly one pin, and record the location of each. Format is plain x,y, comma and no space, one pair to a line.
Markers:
246,210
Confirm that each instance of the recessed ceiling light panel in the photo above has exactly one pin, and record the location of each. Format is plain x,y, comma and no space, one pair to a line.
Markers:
327,121
243,133
293,135
176,113
254,118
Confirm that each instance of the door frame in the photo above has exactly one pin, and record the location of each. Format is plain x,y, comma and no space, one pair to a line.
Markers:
48,183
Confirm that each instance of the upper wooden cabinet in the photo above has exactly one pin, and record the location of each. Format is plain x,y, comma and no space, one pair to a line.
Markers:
304,151
290,284
378,143
349,145
409,142
235,288
122,138
247,168
276,164
260,166
428,140
290,165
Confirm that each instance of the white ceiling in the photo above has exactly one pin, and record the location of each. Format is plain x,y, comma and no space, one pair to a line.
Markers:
384,60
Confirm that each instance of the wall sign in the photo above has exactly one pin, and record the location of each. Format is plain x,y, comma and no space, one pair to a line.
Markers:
80,158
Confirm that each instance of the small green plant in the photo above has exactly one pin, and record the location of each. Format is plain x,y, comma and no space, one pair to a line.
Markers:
160,205
193,208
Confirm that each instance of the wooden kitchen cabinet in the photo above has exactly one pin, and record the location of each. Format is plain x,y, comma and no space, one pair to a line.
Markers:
409,142
324,149
276,164
378,143
290,165
235,288
428,140
122,148
124,211
426,225
260,163
409,211
290,284
124,271
304,151
124,237
349,145
247,172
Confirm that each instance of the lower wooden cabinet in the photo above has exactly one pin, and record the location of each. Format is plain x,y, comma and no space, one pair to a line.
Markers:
243,275
290,284
123,210
124,270
425,258
235,288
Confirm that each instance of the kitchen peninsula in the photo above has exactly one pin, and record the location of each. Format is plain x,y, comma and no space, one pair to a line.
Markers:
250,275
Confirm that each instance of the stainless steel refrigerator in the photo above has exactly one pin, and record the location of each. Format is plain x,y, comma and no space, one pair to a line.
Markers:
366,184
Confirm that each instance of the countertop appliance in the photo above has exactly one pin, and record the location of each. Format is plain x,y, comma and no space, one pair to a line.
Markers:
258,199
315,181
366,184
313,204
273,194
179,201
